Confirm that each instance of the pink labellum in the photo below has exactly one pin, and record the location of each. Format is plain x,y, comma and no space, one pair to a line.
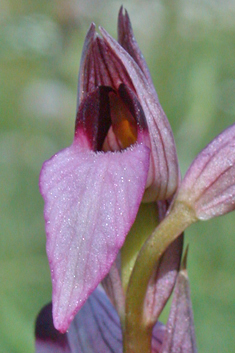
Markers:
91,201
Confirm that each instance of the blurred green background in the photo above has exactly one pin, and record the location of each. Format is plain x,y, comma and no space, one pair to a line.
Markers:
190,49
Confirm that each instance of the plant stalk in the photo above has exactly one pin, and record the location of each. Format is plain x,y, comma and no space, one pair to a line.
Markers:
137,333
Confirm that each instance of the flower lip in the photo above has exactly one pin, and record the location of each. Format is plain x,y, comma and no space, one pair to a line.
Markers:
91,201
111,120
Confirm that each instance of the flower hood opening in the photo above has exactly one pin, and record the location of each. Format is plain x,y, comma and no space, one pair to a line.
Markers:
111,120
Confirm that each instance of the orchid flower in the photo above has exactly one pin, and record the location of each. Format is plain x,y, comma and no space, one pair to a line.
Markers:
123,164
123,152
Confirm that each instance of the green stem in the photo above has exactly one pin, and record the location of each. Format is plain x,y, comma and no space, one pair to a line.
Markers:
137,334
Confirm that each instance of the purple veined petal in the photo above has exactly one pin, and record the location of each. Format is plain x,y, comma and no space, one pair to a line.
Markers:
163,173
127,40
92,111
163,280
112,285
91,201
82,77
97,68
95,329
180,335
164,277
209,184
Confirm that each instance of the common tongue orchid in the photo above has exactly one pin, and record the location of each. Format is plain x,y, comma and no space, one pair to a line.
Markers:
123,153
